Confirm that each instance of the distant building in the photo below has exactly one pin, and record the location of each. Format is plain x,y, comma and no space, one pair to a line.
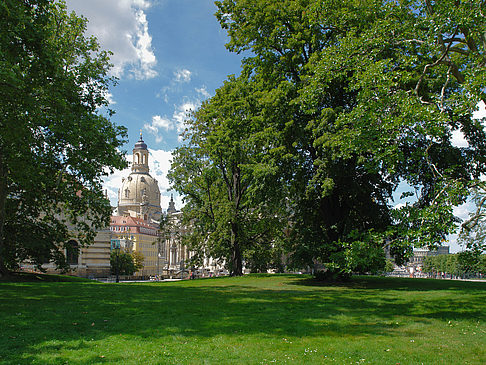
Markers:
142,237
92,261
137,218
419,254
139,195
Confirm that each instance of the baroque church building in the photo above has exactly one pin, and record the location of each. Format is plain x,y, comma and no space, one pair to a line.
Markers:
137,218
139,195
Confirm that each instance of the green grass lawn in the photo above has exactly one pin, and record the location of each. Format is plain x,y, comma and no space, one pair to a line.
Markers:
263,319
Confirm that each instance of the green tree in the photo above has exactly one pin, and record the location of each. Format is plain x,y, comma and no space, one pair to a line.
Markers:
429,264
482,265
138,260
473,230
468,263
451,265
54,144
226,177
364,96
122,262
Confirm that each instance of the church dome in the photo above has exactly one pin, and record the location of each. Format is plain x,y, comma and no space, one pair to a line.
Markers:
139,188
139,193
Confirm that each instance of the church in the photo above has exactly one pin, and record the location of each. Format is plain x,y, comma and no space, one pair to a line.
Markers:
136,219
136,223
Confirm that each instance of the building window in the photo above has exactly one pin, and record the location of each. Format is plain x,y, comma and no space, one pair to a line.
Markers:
72,252
127,193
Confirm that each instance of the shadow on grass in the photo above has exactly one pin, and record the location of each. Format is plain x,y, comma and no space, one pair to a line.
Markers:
390,283
46,315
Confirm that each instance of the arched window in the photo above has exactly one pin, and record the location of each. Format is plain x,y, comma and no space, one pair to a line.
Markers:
72,252
127,193
144,159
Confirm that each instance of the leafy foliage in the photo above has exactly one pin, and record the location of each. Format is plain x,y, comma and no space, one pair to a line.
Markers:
138,260
363,96
465,263
123,262
229,183
473,231
54,145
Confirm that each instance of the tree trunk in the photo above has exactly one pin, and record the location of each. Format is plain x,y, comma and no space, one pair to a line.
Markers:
236,261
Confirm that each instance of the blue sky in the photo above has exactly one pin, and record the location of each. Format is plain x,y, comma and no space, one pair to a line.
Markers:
169,56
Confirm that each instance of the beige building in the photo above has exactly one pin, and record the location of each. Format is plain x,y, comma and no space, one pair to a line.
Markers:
176,257
141,237
92,261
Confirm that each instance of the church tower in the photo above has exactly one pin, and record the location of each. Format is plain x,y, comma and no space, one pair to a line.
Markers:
172,209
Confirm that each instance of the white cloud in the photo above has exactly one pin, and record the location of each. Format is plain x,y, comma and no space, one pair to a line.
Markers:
113,182
109,98
158,123
121,26
481,112
182,76
203,92
458,139
175,123
182,113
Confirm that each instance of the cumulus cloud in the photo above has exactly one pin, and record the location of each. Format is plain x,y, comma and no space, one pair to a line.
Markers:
182,113
157,124
121,26
481,112
175,123
458,139
109,98
112,183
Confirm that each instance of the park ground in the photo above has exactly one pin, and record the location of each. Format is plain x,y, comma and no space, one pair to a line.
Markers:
255,319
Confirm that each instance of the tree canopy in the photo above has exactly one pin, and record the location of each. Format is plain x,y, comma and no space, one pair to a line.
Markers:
125,263
229,183
367,95
55,145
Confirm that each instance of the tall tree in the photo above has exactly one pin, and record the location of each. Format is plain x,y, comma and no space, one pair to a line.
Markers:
55,146
227,180
369,94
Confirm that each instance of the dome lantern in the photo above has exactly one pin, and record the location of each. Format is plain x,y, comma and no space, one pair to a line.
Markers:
140,157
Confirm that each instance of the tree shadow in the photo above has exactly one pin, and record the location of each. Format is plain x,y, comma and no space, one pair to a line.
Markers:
63,312
390,283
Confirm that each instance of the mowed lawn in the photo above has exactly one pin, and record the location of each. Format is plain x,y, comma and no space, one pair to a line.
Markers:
256,319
